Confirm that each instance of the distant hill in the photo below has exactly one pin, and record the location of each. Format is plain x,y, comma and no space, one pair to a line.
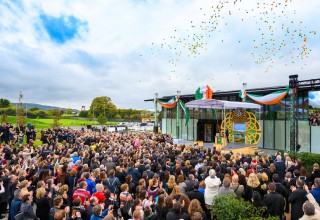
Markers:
42,107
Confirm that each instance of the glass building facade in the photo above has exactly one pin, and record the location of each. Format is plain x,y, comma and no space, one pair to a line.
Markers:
274,120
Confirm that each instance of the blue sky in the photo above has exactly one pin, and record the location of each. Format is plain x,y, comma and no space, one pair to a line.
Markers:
314,99
66,53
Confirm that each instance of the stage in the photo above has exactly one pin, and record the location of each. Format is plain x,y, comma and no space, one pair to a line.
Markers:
240,148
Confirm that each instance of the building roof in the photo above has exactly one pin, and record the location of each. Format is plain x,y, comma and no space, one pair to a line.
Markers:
302,85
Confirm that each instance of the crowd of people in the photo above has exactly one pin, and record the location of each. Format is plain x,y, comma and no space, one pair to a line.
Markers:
15,135
85,175
314,119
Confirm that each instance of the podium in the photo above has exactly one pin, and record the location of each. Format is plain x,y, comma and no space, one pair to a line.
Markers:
220,142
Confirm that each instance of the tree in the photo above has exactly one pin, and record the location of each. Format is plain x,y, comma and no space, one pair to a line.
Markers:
117,116
34,109
102,106
68,111
56,117
4,118
101,119
4,103
83,114
42,114
21,121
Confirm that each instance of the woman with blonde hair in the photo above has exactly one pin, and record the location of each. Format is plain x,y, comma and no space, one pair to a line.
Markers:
24,187
237,188
63,192
315,172
176,193
253,184
153,189
22,174
99,194
43,203
288,162
182,184
72,181
125,200
171,183
96,173
194,207
141,186
264,181
272,169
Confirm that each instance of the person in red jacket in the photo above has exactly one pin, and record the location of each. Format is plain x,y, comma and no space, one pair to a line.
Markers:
99,194
82,193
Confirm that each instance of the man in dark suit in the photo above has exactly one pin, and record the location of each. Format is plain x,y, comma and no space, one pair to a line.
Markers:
190,183
280,167
279,187
141,167
297,198
274,201
195,194
297,166
293,181
219,174
148,172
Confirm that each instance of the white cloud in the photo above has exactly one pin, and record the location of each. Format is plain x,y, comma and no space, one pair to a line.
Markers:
114,56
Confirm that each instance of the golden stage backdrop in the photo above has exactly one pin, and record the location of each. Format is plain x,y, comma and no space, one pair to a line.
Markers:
252,130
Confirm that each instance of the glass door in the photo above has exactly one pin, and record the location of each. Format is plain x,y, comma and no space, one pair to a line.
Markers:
208,133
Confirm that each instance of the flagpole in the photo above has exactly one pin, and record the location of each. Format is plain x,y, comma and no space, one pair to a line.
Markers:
177,115
155,126
244,90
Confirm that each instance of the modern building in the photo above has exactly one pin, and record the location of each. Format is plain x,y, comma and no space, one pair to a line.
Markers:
275,120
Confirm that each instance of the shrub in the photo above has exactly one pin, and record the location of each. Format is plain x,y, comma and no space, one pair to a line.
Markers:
4,103
307,159
8,111
83,114
227,207
102,120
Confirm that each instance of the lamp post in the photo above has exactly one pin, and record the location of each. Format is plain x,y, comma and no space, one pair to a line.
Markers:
155,127
177,118
244,91
293,84
104,110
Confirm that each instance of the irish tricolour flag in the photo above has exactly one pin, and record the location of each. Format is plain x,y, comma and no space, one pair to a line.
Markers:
169,104
204,92
270,99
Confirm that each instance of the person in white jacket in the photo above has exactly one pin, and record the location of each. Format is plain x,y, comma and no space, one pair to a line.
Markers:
27,153
212,187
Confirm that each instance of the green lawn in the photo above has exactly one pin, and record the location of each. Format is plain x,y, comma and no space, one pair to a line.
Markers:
47,123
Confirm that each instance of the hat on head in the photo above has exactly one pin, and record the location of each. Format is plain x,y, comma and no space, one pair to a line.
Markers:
80,180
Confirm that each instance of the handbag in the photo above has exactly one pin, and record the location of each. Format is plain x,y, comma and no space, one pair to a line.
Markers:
127,206
19,216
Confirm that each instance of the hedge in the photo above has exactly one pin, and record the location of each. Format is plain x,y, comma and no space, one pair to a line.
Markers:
227,207
307,159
